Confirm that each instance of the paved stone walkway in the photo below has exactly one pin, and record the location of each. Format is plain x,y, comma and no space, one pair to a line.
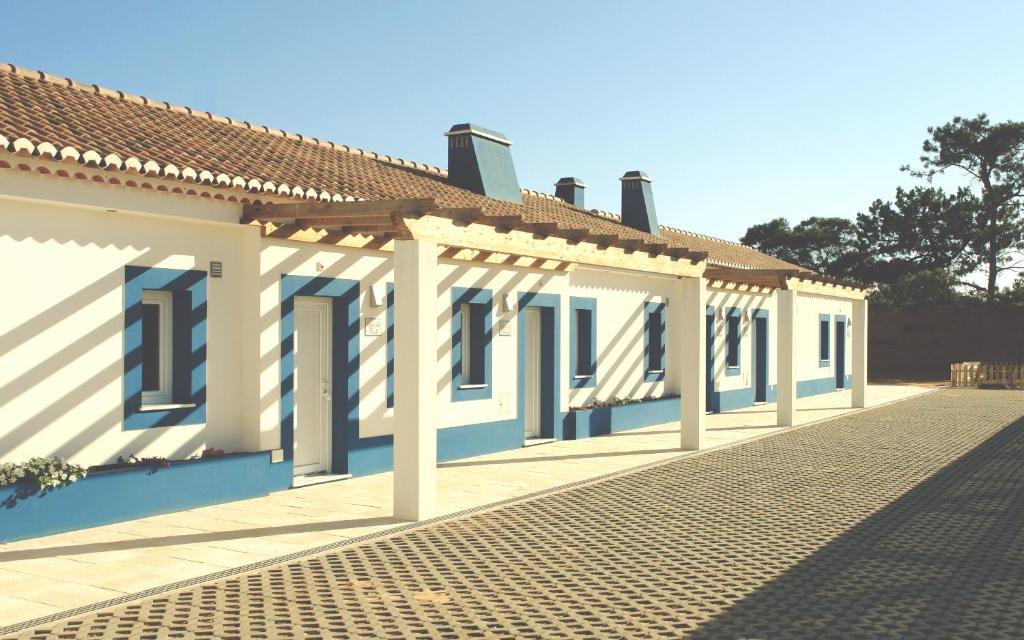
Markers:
906,521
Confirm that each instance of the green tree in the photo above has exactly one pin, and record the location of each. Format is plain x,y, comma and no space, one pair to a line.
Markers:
932,286
923,230
825,245
992,157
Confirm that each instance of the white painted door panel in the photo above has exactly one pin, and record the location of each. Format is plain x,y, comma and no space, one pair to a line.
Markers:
531,419
312,385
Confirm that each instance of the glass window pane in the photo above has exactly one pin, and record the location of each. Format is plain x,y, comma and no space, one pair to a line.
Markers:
150,347
584,359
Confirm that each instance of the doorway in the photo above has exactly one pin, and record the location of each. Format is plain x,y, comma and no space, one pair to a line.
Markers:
840,352
532,382
312,384
709,358
760,359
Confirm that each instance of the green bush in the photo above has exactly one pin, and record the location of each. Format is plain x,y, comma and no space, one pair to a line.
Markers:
44,473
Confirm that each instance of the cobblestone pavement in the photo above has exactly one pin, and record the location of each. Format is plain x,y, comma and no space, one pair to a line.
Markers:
905,521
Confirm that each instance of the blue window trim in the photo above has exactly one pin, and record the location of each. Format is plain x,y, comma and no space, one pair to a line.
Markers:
188,288
839,318
576,379
461,296
550,305
344,296
825,340
657,374
733,312
390,376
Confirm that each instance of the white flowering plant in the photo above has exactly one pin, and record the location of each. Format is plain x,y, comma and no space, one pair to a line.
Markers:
46,473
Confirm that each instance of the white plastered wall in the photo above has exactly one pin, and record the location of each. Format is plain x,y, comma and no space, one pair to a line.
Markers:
808,308
620,334
372,268
64,245
747,303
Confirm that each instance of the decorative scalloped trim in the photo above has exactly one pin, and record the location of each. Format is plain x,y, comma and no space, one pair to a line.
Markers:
112,162
206,115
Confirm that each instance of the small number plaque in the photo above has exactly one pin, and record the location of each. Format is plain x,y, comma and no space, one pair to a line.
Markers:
373,326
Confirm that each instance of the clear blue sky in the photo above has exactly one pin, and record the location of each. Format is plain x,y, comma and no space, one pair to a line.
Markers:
740,111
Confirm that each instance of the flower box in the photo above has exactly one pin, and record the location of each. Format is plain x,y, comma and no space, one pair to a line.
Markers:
585,423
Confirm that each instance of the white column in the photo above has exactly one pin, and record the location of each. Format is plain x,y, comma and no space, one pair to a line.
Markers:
860,353
689,315
786,405
415,449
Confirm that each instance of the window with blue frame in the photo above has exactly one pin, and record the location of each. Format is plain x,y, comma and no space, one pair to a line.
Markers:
732,341
654,341
823,338
583,342
165,347
471,343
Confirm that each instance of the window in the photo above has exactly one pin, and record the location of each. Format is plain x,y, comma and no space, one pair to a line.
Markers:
471,343
654,341
472,337
823,338
732,341
157,347
583,342
165,347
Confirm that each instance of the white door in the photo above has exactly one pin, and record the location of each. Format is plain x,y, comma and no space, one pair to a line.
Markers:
531,420
312,417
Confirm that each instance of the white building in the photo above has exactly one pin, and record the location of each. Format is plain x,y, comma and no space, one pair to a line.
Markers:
179,281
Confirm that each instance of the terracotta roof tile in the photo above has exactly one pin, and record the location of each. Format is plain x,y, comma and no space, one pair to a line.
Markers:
41,113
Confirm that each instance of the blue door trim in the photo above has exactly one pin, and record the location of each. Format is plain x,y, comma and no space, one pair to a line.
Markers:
550,384
840,354
761,350
710,399
344,296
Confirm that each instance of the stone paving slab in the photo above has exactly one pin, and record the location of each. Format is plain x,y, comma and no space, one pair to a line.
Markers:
905,521
85,568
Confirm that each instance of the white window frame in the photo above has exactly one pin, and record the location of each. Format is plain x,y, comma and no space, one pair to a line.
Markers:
164,301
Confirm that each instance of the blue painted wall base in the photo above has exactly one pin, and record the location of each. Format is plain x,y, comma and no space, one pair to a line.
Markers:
125,494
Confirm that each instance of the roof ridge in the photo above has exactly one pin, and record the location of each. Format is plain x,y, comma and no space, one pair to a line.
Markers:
124,96
706,236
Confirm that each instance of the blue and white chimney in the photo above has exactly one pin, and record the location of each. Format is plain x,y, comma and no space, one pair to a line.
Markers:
638,203
480,160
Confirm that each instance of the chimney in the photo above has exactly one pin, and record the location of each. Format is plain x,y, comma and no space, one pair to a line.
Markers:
570,190
638,202
480,160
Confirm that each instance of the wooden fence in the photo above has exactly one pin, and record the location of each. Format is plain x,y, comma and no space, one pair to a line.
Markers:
989,374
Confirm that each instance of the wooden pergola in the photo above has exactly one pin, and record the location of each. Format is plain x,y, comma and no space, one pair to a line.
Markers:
468,234
769,280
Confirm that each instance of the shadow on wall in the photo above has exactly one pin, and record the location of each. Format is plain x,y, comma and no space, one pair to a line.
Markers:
938,561
920,343
40,331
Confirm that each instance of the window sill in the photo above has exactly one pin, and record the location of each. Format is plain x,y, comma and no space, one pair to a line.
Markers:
472,386
655,371
824,363
166,407
584,376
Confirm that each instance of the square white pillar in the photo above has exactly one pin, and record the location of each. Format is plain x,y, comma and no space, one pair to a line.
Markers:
415,447
860,353
688,314
786,359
